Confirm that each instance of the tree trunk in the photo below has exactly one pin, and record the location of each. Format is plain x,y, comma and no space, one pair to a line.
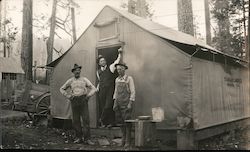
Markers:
208,25
131,6
141,7
26,54
50,41
225,37
0,18
27,44
4,30
245,29
185,16
137,7
73,24
52,33
248,47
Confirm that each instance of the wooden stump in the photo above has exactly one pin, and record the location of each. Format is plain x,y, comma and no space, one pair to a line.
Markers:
145,133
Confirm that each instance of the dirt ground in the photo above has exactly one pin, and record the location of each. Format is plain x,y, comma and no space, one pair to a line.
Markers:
27,136
23,135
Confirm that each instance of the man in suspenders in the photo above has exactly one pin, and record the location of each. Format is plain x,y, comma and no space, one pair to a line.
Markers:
105,88
124,96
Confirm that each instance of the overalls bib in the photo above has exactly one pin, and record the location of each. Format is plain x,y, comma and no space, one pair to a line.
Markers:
122,100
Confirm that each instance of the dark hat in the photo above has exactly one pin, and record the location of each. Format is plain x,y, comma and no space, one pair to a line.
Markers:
76,66
122,64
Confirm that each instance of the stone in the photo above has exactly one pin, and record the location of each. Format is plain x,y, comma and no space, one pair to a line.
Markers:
103,142
117,140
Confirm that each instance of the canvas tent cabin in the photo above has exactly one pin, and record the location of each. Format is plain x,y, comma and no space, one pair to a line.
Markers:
172,70
11,77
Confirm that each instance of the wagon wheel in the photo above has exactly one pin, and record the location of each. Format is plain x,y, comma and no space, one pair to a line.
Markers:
43,105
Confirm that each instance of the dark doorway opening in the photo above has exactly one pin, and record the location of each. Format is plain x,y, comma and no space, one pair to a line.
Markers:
110,54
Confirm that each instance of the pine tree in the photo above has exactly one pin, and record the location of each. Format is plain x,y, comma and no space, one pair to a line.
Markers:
140,8
230,36
185,16
208,24
26,51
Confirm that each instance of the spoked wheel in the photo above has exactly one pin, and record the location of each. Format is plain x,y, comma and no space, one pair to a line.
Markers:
43,105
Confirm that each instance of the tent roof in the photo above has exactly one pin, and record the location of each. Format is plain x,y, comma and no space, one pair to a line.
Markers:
161,31
10,65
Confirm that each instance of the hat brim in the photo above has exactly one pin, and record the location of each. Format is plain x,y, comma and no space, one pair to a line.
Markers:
72,70
126,67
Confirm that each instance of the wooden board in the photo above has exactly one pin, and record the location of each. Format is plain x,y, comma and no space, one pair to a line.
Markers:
145,133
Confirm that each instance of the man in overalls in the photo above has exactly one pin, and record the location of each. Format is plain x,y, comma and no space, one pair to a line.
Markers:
81,89
124,96
105,88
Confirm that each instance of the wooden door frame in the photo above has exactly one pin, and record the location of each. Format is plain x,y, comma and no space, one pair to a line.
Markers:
98,47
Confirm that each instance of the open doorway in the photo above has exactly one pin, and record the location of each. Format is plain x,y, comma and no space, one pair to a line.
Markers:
110,54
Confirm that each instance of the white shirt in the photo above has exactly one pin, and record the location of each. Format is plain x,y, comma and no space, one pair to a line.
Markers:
111,67
78,87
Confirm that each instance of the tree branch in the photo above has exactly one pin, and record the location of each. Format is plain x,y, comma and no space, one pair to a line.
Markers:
64,30
58,52
58,35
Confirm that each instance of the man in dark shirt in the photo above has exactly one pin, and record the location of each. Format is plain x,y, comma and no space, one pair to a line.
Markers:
105,87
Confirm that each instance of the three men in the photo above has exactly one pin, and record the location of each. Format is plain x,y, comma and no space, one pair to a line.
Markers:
124,96
106,77
81,89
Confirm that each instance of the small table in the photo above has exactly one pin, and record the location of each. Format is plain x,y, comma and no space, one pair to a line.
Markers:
145,132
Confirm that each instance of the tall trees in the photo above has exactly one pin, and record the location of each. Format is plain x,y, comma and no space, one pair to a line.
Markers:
26,54
248,38
140,8
50,42
26,51
58,21
223,37
185,16
73,24
207,21
231,19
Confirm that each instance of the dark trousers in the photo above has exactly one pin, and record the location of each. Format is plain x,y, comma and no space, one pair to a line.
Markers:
106,103
80,111
122,113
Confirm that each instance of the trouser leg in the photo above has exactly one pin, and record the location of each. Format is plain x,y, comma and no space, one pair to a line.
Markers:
85,119
128,134
108,113
123,130
76,117
102,102
126,116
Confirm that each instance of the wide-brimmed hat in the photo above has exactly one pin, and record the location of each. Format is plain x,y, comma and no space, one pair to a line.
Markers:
122,64
76,66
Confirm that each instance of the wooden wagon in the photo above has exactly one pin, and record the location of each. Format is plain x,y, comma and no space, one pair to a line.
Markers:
38,103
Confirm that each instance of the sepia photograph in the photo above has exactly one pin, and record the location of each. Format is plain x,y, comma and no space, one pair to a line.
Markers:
124,75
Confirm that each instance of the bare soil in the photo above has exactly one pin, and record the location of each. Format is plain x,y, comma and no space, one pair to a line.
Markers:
23,135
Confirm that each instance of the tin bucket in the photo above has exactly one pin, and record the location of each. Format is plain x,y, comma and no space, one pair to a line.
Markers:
158,114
